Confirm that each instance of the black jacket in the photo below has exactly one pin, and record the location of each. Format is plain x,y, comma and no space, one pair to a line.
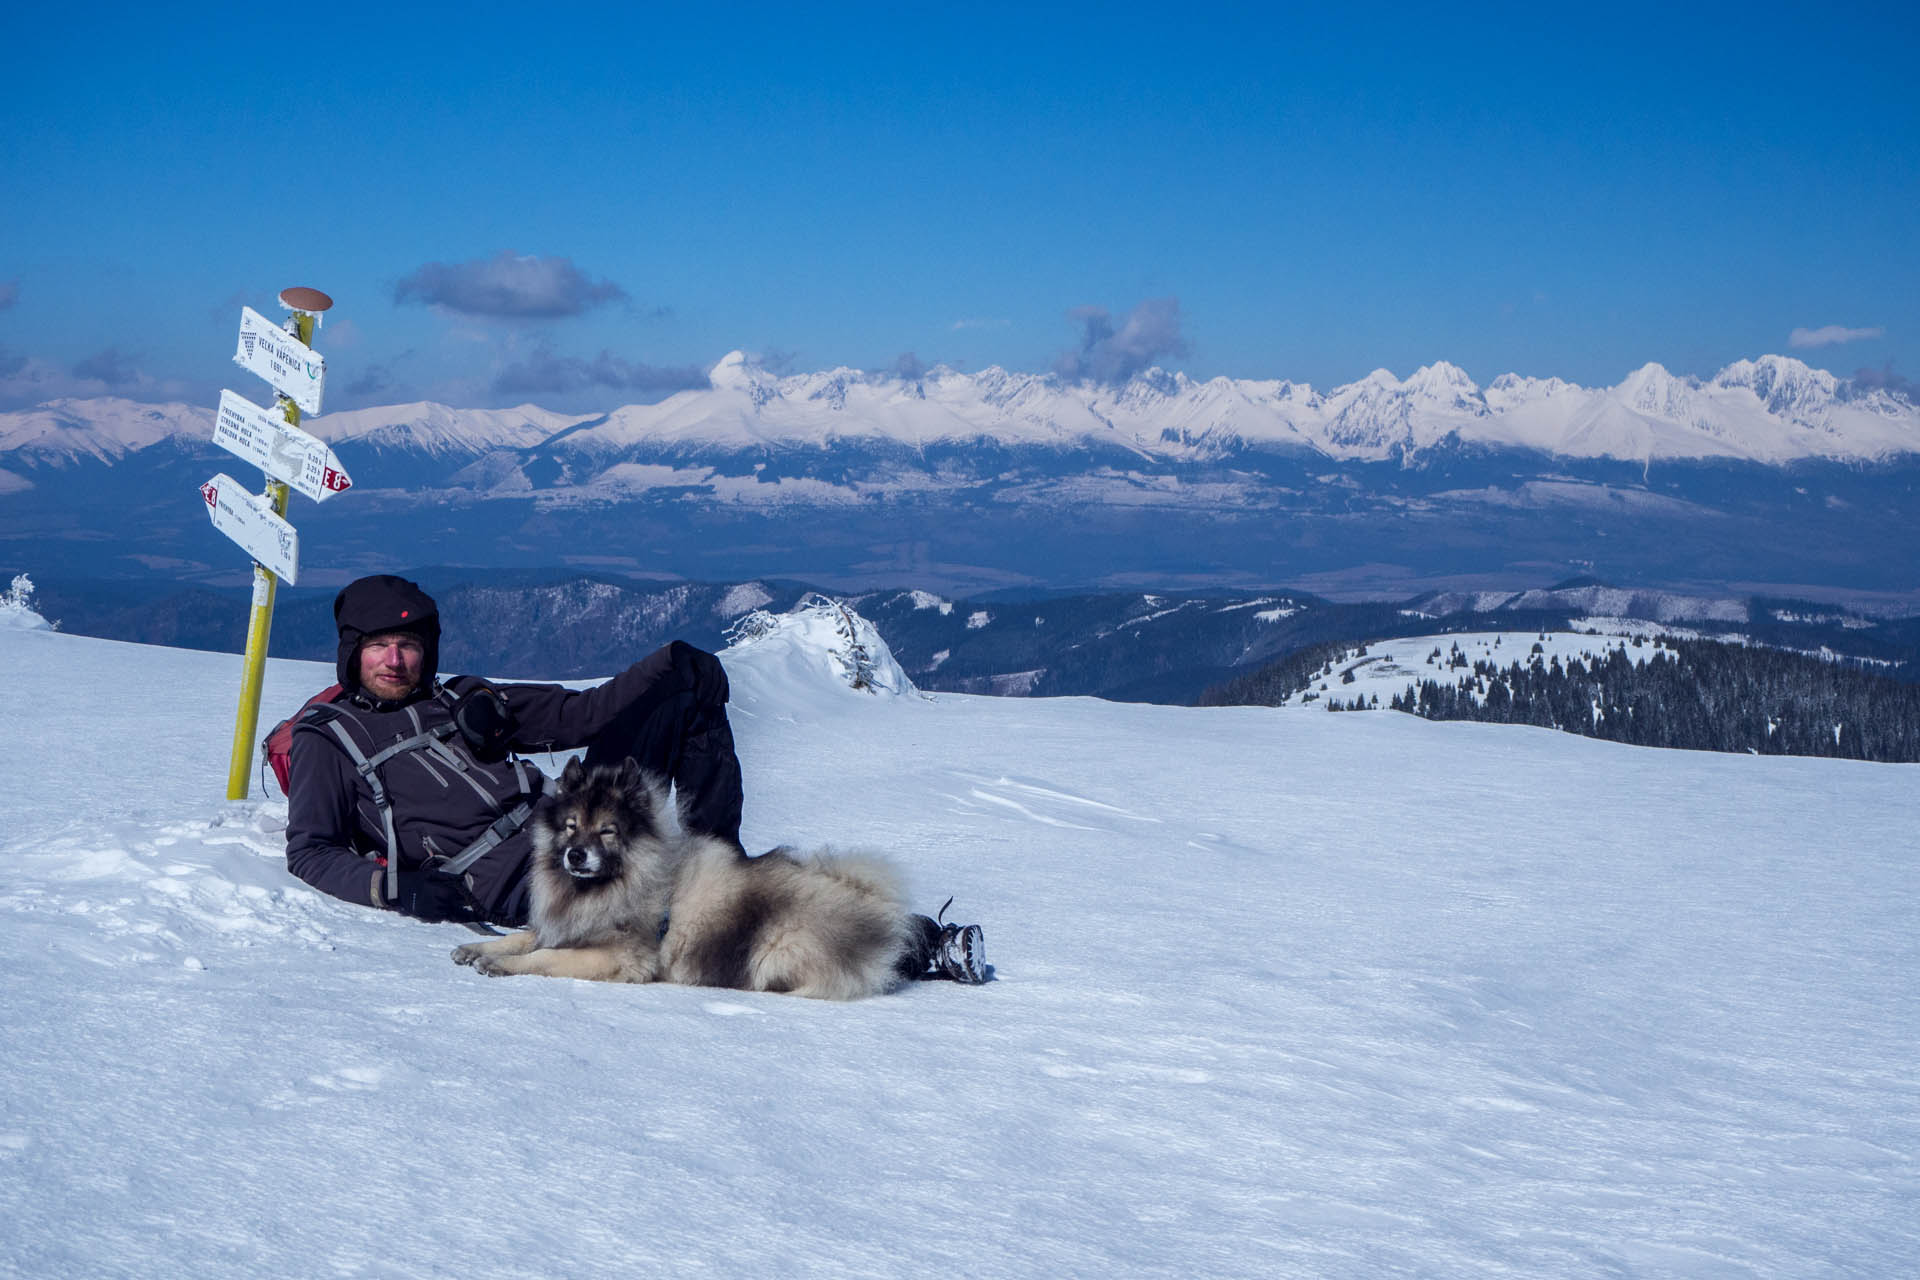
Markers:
334,829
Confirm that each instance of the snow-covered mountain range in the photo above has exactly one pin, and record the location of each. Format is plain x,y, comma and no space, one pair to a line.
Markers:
1763,474
107,428
1771,410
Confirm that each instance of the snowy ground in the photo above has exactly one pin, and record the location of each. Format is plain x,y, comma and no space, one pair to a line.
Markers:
1386,669
1278,993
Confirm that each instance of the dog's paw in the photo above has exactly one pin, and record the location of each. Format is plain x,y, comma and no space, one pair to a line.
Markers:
467,953
490,966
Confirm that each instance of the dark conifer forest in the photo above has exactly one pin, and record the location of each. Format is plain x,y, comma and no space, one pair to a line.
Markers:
1700,695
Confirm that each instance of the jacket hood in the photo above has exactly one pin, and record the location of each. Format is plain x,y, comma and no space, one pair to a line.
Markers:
378,605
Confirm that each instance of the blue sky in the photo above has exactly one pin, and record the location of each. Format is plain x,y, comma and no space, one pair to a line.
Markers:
584,207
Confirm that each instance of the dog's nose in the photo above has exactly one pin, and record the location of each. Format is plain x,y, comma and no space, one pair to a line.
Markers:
575,858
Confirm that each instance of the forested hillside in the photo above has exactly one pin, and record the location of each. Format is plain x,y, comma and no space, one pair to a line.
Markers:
1697,694
1702,695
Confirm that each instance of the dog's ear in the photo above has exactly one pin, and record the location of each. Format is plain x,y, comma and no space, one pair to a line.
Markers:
632,782
573,775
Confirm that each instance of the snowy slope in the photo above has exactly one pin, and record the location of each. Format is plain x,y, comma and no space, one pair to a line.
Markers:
105,428
108,428
1387,669
1278,993
437,429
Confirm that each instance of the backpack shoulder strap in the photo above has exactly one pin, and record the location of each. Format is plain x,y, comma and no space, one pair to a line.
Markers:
432,739
333,716
370,770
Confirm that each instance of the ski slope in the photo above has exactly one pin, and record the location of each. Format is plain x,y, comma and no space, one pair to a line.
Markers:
1278,993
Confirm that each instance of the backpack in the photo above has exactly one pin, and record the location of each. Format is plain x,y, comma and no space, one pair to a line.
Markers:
277,746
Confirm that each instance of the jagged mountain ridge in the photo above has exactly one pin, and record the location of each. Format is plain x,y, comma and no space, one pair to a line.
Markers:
108,428
1771,410
969,482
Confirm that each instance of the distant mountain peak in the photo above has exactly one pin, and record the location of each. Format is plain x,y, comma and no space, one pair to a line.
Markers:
1653,390
1784,385
1440,373
739,372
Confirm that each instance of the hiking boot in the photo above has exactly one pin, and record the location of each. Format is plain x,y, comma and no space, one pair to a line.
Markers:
936,951
960,953
963,954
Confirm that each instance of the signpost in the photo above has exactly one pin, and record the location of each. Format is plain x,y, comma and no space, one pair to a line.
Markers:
251,521
279,448
282,358
288,455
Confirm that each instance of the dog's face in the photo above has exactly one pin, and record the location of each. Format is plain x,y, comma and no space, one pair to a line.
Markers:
595,817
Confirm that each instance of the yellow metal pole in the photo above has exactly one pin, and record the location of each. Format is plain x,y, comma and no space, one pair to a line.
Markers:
246,721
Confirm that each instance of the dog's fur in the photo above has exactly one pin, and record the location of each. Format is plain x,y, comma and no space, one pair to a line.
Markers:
611,866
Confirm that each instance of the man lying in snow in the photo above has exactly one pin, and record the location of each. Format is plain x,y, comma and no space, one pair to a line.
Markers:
405,793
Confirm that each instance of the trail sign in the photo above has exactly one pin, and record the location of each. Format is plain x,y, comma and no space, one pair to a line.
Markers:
250,521
274,441
278,448
282,359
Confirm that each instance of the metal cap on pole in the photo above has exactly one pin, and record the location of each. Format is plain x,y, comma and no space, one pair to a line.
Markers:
301,298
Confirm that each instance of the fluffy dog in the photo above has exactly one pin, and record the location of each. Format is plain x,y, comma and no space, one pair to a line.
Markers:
621,894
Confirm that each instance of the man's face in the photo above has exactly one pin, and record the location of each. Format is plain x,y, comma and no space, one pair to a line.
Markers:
390,664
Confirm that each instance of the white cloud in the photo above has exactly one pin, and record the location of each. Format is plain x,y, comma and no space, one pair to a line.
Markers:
1828,335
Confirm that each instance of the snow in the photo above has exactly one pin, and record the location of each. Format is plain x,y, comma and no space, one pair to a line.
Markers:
101,427
819,644
742,598
927,600
436,428
1388,668
1277,993
1770,410
16,607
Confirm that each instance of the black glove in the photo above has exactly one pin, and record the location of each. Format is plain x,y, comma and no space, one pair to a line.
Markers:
700,671
433,896
485,722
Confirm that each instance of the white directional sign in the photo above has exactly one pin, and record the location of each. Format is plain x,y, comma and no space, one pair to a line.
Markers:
282,359
267,440
249,520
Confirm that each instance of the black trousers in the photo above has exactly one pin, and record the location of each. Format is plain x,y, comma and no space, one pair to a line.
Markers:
679,734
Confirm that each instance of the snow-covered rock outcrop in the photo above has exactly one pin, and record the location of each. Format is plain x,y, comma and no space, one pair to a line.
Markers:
820,642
